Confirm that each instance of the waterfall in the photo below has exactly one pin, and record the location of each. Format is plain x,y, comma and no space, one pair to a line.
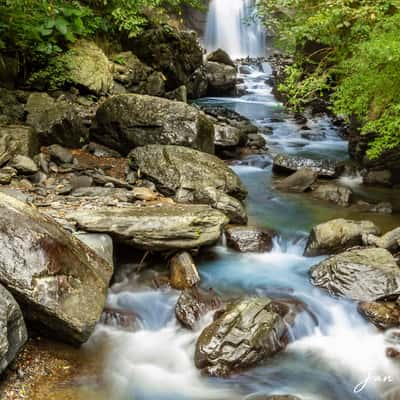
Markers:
233,26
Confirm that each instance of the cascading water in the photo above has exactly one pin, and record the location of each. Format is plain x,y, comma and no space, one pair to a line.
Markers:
233,26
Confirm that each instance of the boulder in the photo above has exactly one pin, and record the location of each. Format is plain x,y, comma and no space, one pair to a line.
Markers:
127,121
378,178
100,243
248,332
193,304
24,165
175,53
227,135
389,241
221,79
60,154
6,175
334,193
358,274
89,68
249,239
13,334
60,283
231,207
17,139
222,57
183,271
155,227
299,182
288,164
338,235
180,171
255,140
56,122
384,315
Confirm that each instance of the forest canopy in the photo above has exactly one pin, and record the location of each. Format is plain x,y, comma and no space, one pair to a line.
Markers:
347,51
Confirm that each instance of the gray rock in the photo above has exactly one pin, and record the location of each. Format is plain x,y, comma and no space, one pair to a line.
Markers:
382,208
378,178
177,169
197,85
81,181
56,122
127,121
227,135
255,140
102,151
24,165
6,175
60,283
60,154
183,271
389,241
334,193
193,304
247,333
101,243
13,334
358,274
338,235
221,56
249,239
288,164
179,94
299,182
155,228
17,139
221,78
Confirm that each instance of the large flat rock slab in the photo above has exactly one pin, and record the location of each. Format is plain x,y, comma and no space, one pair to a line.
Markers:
155,227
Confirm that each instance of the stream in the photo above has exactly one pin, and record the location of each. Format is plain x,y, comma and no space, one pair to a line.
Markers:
332,352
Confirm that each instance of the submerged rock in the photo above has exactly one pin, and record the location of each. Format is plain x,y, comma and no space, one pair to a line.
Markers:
183,271
130,120
338,235
334,193
193,304
247,333
155,228
60,283
249,238
384,315
299,182
288,164
358,274
13,334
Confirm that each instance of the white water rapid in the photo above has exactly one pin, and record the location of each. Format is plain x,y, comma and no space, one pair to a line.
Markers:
233,26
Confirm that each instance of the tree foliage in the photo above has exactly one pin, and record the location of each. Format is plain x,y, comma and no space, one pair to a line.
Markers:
348,51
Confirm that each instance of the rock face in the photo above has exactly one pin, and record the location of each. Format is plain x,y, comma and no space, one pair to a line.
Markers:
221,78
249,239
128,121
334,193
177,169
89,68
17,139
288,164
337,235
197,84
193,304
59,282
384,315
359,274
177,54
56,122
155,228
299,182
220,56
248,332
13,334
183,271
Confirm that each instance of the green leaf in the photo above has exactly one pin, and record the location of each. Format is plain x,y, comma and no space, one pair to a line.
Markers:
61,25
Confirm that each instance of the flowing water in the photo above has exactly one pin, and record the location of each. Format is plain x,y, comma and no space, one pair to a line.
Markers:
233,26
332,350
